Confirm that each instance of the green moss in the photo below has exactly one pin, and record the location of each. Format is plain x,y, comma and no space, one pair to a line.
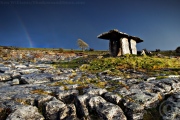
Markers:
161,77
138,63
41,91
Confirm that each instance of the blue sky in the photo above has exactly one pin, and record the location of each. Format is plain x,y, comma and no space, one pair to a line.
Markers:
44,23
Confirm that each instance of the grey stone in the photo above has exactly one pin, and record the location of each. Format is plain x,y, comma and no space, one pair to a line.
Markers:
15,82
81,105
55,109
71,112
133,46
28,71
174,112
16,75
26,99
40,100
109,111
36,78
176,95
20,66
106,110
123,91
3,69
151,78
96,101
4,77
113,98
98,91
125,43
67,96
134,111
25,113
174,76
70,87
166,87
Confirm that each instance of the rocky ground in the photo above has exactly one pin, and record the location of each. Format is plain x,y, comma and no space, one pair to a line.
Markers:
32,91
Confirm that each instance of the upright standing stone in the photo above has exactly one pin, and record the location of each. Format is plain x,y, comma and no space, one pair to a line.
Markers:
125,46
110,46
133,46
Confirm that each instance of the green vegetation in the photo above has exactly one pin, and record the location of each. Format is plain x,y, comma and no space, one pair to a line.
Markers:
42,92
61,50
74,63
166,53
151,65
138,63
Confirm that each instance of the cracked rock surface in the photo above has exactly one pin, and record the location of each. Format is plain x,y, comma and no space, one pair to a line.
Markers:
40,92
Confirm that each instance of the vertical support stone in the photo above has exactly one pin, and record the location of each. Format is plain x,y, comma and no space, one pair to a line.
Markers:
133,47
110,46
125,46
120,52
114,47
120,48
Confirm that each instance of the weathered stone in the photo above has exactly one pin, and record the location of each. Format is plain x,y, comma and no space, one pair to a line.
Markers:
134,111
94,102
154,100
81,105
151,78
55,109
40,100
120,43
3,69
67,96
113,47
130,82
70,87
36,78
71,112
113,98
109,111
28,71
125,46
167,88
174,76
106,110
15,82
98,91
170,109
133,46
20,66
26,99
123,91
25,113
16,75
176,95
4,76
